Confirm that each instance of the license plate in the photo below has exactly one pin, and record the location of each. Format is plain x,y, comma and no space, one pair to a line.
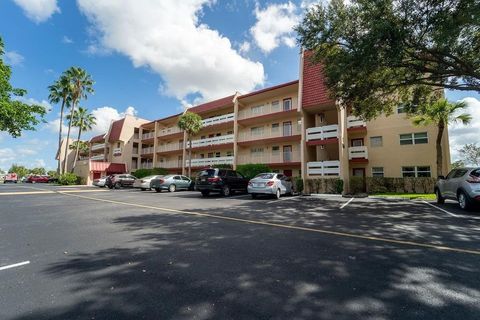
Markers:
203,179
258,185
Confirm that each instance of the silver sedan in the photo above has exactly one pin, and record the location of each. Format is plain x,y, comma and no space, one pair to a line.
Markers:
270,183
172,183
145,183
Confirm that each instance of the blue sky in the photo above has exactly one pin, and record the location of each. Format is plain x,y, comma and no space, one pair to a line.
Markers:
151,58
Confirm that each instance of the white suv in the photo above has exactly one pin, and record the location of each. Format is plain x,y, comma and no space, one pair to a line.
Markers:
461,184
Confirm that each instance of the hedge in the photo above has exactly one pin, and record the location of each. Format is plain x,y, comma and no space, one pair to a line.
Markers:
141,173
250,170
400,185
69,179
324,185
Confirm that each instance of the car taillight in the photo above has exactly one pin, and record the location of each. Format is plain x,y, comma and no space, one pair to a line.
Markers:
215,179
473,179
250,183
161,181
270,183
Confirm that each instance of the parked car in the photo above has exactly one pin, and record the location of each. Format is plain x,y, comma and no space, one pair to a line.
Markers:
37,179
461,184
11,177
224,181
172,183
118,181
145,182
100,182
270,183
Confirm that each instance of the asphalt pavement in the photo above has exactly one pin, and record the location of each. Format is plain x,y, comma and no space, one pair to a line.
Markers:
90,253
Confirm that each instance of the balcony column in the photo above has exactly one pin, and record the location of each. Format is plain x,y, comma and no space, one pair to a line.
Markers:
184,152
155,144
343,147
235,130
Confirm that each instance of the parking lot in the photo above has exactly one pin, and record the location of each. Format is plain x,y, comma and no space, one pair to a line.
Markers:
90,253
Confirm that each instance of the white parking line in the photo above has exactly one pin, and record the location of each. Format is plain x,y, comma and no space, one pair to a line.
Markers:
346,203
14,265
234,197
283,199
443,210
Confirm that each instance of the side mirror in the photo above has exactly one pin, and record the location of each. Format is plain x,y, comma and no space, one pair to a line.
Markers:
441,177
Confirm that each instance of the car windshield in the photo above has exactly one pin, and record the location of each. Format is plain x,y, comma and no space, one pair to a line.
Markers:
168,177
264,176
207,173
475,173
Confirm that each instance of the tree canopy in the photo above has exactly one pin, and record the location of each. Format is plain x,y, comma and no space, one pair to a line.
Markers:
15,116
379,53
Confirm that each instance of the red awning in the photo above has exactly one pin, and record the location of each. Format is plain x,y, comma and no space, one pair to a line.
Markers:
108,167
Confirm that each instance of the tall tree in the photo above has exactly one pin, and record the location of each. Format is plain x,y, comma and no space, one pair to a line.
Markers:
191,123
441,113
15,116
21,171
60,92
81,85
377,54
471,154
84,121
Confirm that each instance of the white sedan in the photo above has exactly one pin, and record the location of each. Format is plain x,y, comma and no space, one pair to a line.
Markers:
145,182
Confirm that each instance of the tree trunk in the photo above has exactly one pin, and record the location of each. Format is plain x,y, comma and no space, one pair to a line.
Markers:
189,156
441,128
59,166
68,137
77,149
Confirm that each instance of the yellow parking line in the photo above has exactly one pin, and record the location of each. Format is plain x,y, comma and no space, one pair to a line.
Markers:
265,223
24,193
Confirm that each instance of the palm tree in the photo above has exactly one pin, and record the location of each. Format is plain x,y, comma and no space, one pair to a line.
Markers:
60,91
191,123
84,121
81,85
441,113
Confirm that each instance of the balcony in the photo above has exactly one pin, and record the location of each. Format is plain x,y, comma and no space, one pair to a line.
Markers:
323,168
100,157
135,151
169,131
355,153
148,135
322,133
148,150
217,120
212,141
356,124
100,146
146,165
270,133
267,158
251,112
210,161
170,164
170,147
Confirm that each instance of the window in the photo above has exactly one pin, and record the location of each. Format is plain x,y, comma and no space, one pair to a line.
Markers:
217,154
287,104
275,127
210,154
218,135
185,178
419,171
376,141
287,128
377,171
413,138
202,156
229,153
118,144
177,178
276,105
401,109
257,110
460,173
202,137
229,132
357,142
256,131
256,151
275,150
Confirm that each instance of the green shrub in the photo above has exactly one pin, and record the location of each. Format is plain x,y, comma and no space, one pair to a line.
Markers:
250,170
223,166
357,185
298,184
324,185
68,179
141,173
400,185
338,185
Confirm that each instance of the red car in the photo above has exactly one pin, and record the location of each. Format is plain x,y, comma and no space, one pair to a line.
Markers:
37,179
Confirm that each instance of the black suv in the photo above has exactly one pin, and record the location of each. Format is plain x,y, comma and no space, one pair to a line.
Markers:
119,180
225,181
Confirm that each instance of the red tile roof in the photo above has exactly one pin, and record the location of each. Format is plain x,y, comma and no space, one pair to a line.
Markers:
212,105
269,89
99,138
314,90
116,130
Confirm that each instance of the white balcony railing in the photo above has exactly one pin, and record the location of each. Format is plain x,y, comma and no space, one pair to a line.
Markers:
147,150
148,135
146,165
256,111
280,157
98,146
212,141
269,132
210,161
357,153
170,147
170,164
135,151
99,157
170,130
353,122
219,119
321,133
323,168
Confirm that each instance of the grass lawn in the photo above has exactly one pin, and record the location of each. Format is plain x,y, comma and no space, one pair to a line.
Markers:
410,196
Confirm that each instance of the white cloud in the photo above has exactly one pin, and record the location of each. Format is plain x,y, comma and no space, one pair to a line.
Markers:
245,47
460,134
105,115
54,125
168,37
67,40
30,101
13,58
38,163
38,10
7,156
274,26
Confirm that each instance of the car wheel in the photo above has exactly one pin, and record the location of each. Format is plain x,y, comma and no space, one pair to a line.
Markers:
278,194
254,195
463,201
205,193
226,191
117,185
440,199
143,189
110,187
172,188
158,190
